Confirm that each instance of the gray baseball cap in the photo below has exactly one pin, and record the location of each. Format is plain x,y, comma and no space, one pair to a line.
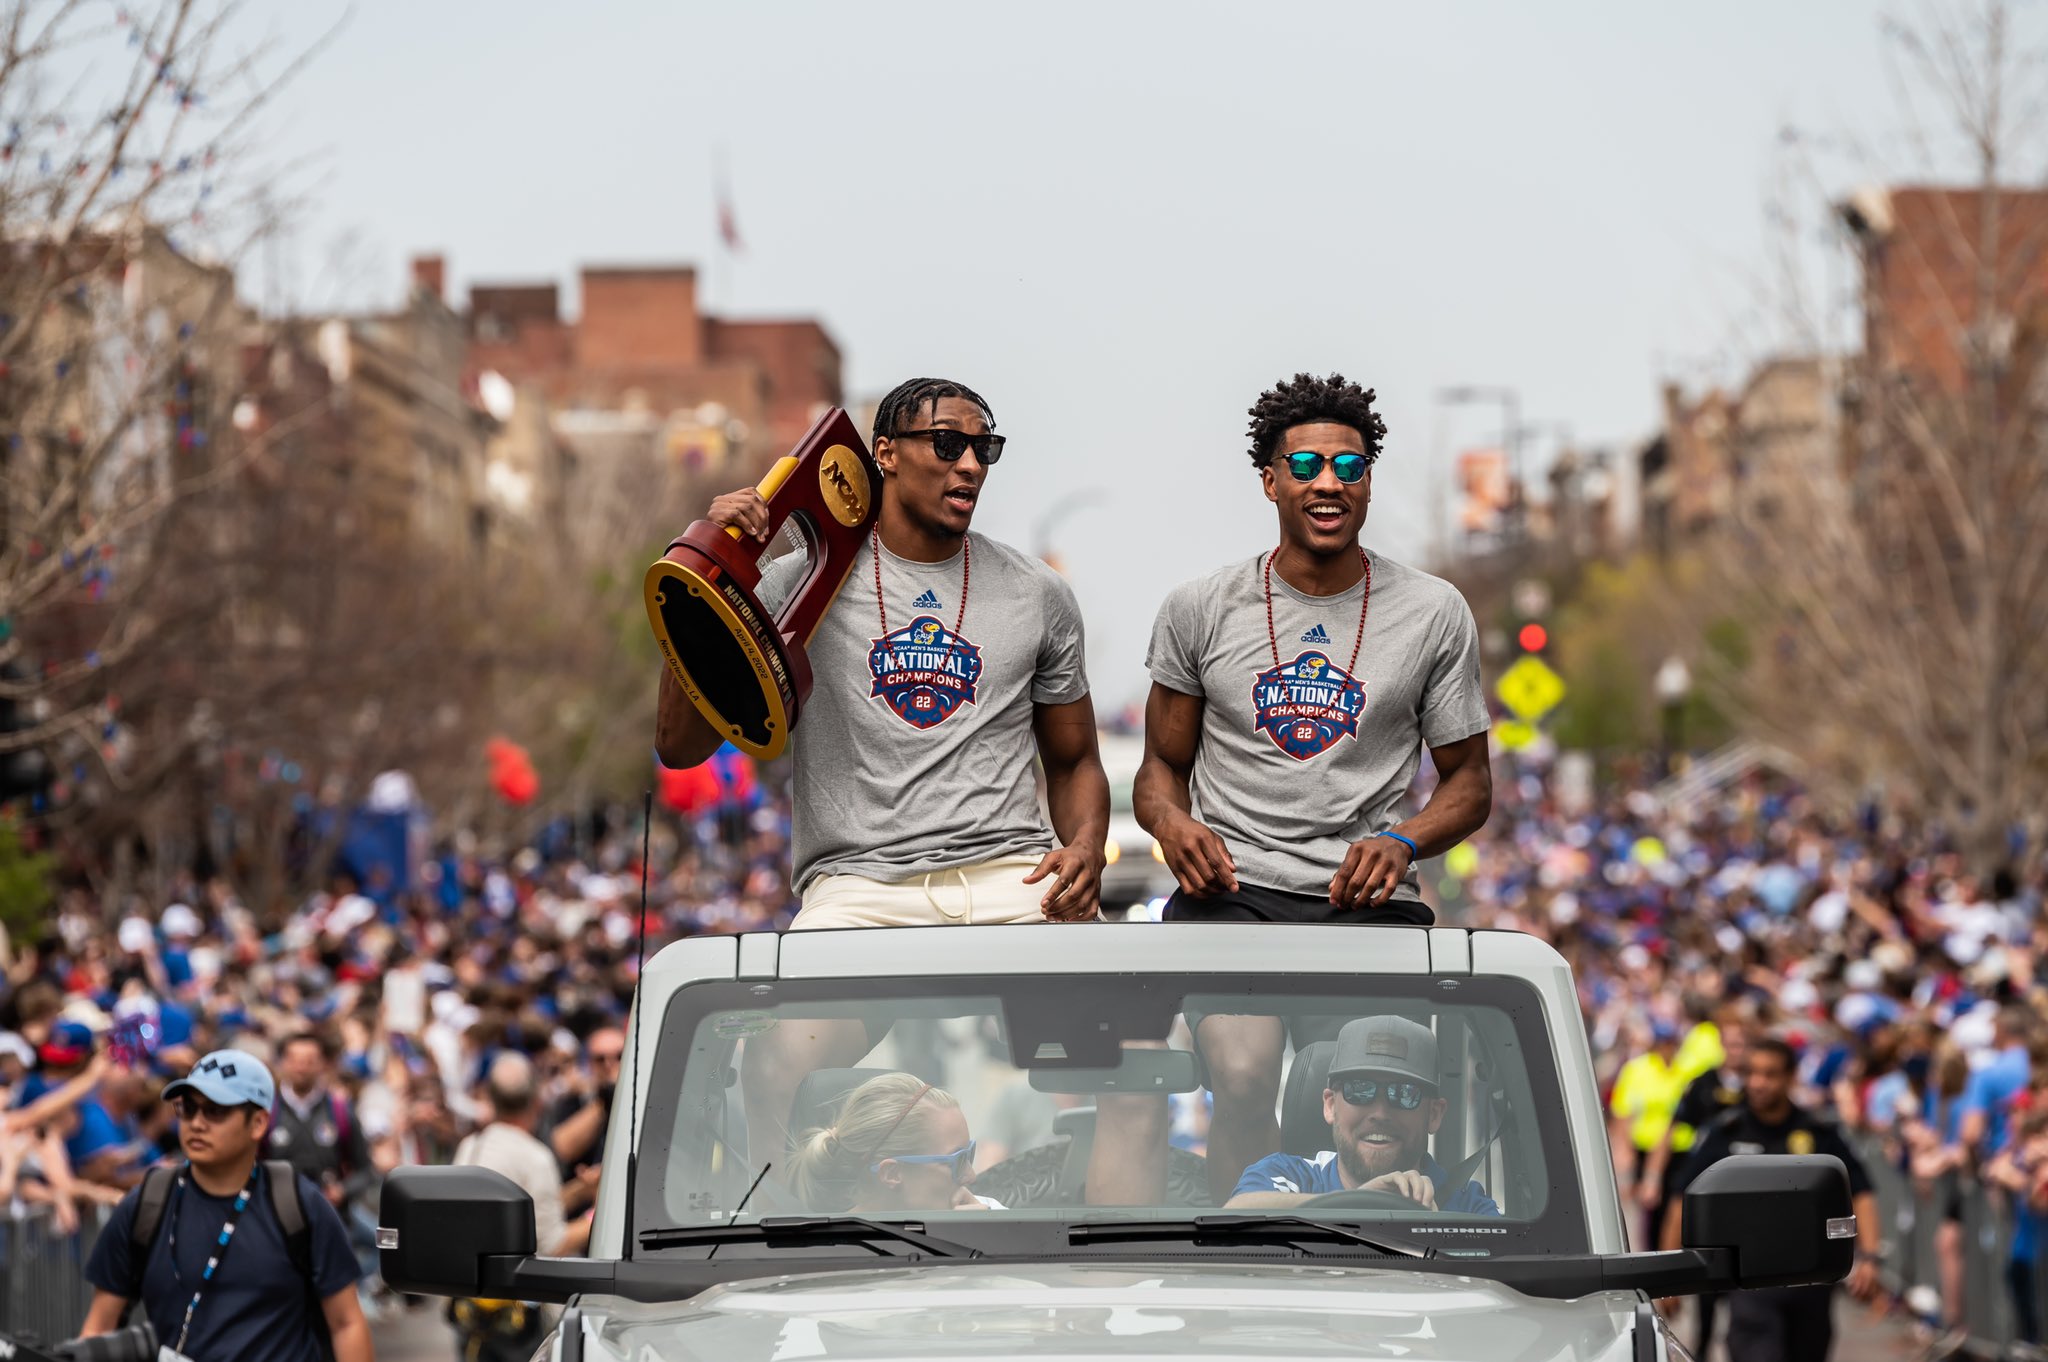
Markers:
1385,1045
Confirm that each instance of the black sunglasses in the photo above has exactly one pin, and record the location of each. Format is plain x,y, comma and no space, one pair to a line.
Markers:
1307,466
1362,1092
192,1108
949,445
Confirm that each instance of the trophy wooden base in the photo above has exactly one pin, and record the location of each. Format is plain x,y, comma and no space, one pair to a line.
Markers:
736,670
744,668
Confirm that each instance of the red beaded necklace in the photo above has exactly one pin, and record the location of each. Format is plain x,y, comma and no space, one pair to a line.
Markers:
1364,604
966,575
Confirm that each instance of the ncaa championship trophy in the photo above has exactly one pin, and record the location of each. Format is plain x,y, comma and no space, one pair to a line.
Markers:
745,671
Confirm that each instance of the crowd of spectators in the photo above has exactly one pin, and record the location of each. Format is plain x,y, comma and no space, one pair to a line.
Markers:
401,1026
1905,966
488,998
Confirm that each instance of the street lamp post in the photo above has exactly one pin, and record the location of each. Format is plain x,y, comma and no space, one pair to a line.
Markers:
1510,403
1673,686
1053,516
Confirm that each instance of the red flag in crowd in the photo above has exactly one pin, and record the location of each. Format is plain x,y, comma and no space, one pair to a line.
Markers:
512,773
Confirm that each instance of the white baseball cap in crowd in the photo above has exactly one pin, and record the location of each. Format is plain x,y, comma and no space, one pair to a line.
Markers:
88,1014
180,920
350,913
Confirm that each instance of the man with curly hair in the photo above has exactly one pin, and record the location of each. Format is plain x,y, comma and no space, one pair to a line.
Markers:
1292,695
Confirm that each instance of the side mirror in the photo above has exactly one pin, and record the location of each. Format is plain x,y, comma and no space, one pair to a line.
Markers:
452,1231
1786,1218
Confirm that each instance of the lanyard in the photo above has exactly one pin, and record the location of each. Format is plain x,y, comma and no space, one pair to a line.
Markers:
220,1249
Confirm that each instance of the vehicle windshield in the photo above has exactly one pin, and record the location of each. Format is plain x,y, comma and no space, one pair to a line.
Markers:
1424,1113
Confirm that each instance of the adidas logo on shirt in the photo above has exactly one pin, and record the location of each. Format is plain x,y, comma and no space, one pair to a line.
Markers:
928,601
1316,634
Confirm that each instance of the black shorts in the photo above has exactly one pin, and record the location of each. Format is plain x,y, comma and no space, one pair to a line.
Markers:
1256,903
1948,1192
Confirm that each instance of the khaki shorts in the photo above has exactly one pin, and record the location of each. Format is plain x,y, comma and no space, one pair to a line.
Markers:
971,895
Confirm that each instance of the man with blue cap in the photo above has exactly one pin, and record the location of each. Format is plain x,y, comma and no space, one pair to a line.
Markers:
231,1258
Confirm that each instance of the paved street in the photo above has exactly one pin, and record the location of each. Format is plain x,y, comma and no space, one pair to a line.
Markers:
420,1335
1861,1335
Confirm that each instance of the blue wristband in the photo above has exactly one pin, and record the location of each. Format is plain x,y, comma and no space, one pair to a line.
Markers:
1414,853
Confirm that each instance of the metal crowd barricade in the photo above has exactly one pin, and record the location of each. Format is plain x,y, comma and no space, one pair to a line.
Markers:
1912,1216
43,1290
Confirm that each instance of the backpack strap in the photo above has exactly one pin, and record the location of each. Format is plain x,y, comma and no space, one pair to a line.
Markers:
154,1196
283,1182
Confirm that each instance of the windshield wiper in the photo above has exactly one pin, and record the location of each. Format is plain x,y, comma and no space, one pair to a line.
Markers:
781,1231
1287,1229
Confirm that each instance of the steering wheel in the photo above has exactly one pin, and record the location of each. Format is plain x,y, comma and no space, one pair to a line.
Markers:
1361,1199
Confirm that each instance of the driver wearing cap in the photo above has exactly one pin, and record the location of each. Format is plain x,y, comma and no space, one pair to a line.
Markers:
1382,1104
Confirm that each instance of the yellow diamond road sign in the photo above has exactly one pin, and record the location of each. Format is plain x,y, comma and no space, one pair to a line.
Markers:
1514,735
1530,689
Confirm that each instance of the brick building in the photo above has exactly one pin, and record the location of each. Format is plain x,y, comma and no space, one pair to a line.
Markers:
643,360
1921,250
1727,452
418,437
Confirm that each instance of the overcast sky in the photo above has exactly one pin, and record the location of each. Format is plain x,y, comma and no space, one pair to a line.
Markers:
1118,221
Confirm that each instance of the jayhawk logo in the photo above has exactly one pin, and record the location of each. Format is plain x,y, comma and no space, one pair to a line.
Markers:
1799,1142
924,672
1305,705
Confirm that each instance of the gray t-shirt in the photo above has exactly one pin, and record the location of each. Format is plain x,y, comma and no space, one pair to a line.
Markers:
914,752
1297,761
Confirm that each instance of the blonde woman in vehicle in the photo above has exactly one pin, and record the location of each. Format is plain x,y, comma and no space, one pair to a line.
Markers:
898,1144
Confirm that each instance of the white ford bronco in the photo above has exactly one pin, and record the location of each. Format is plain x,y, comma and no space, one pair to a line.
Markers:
993,1147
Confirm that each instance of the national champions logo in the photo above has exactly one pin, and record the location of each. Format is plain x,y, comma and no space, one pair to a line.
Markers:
1305,705
924,672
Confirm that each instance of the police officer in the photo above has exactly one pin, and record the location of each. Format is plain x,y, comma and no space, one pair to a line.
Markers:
1794,1323
1711,1095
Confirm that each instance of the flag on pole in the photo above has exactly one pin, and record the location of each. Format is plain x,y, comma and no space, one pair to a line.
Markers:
728,225
728,220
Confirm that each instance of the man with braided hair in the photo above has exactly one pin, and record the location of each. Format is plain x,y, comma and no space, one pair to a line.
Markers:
1292,695
946,663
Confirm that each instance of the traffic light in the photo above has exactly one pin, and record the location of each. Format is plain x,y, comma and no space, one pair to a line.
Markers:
1533,637
25,772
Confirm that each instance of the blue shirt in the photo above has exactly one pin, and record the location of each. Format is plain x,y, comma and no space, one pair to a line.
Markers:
1292,1173
1991,1090
257,1307
2026,1233
97,1131
173,1023
1944,1115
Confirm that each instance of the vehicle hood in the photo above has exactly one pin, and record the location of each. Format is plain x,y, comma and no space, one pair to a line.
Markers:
984,1311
